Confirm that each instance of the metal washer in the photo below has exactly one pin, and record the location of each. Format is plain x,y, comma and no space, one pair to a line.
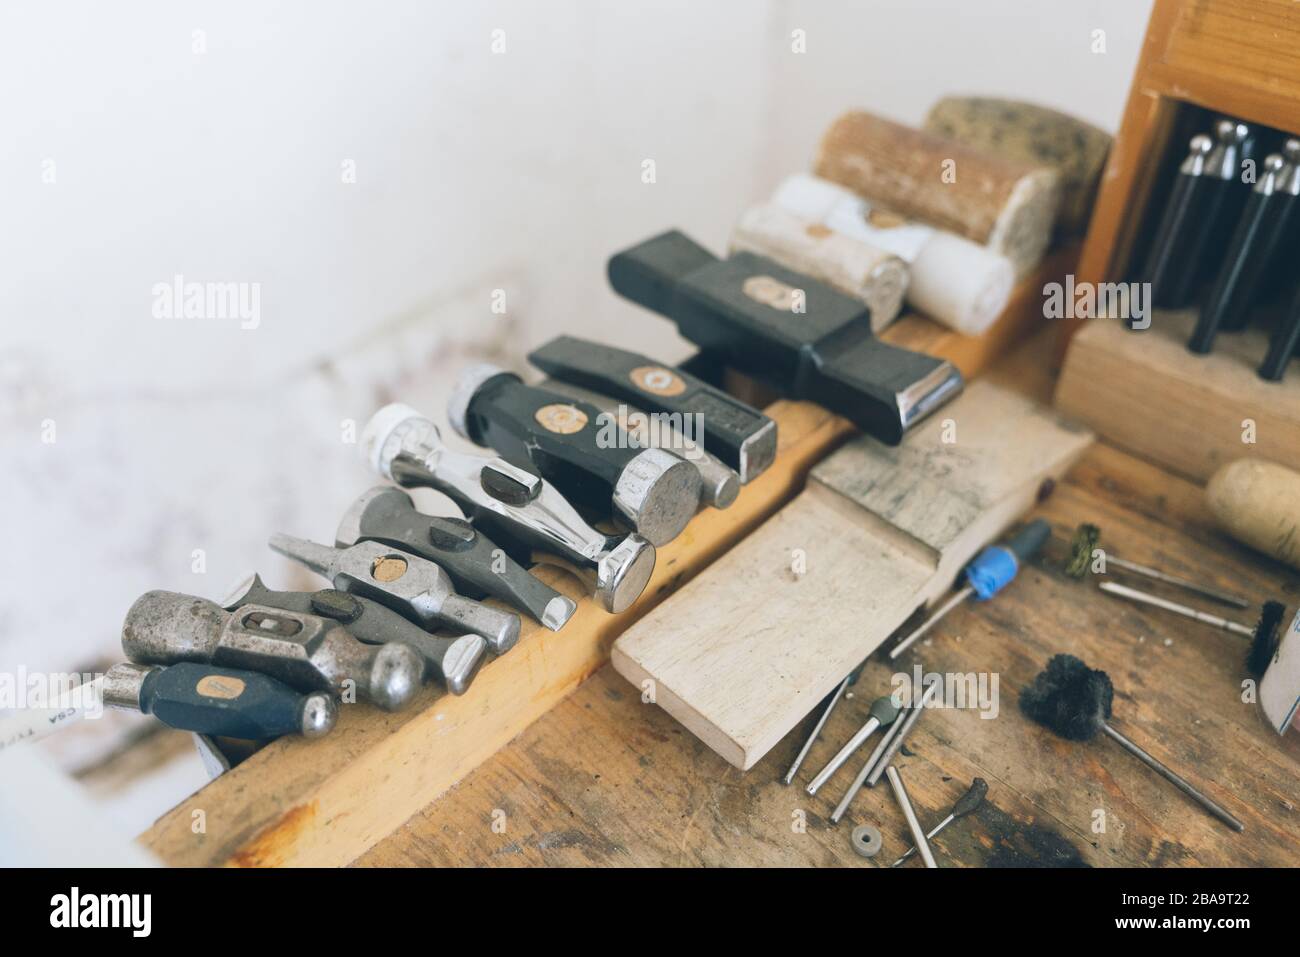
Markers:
866,840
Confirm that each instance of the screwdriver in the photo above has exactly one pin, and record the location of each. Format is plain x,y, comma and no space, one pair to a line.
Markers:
991,571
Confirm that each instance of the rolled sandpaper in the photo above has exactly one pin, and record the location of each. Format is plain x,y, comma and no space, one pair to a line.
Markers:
955,281
852,265
1005,204
1258,503
1035,134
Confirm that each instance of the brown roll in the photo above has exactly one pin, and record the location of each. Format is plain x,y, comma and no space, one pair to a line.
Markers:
1258,502
1005,204
1029,133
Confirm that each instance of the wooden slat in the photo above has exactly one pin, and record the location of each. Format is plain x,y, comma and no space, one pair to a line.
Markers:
325,802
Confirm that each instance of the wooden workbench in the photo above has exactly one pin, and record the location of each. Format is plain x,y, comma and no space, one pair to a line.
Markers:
605,779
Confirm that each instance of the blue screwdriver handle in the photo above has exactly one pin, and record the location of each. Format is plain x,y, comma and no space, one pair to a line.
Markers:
997,566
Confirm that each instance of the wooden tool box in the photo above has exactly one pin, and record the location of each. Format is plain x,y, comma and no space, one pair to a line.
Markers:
578,771
1144,390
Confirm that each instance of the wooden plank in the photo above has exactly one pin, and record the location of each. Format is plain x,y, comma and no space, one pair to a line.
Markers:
743,651
1146,393
605,779
325,802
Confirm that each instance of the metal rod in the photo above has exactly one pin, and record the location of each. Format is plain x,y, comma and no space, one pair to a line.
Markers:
930,622
1143,598
836,695
1178,782
846,752
913,716
933,831
918,835
1206,590
858,781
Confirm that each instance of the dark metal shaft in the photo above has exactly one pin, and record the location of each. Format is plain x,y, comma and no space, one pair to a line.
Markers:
1174,779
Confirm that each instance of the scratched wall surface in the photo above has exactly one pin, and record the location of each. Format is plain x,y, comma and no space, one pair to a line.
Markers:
377,175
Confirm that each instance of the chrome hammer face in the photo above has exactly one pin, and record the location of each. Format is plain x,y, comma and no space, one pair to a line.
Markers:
404,582
569,443
305,651
719,485
474,563
509,503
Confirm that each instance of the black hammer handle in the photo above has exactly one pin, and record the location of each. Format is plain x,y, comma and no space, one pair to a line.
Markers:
739,435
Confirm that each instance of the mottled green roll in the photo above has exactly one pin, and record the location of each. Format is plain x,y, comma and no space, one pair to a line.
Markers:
1035,134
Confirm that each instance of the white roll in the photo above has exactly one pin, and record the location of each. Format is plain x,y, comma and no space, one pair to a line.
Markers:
955,281
851,265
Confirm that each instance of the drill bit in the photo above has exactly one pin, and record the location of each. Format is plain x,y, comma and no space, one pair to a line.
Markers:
1074,701
1263,637
968,803
883,712
1084,544
885,750
831,702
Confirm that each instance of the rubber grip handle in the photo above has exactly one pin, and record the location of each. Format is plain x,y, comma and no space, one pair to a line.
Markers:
1029,541
740,436
229,702
552,435
1254,246
1180,243
1282,344
997,566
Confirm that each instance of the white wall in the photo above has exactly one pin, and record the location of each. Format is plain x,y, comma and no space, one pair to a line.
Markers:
474,171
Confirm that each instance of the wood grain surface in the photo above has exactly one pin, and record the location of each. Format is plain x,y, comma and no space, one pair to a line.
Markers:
605,779
1145,392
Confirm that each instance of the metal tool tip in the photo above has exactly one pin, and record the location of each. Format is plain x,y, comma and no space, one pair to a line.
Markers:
319,713
557,612
658,493
395,676
623,572
236,595
462,661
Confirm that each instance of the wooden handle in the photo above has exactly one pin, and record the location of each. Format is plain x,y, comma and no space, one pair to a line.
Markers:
1028,133
1258,503
1002,203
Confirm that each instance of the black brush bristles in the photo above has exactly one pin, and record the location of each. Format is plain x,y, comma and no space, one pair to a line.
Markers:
1069,698
1264,645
